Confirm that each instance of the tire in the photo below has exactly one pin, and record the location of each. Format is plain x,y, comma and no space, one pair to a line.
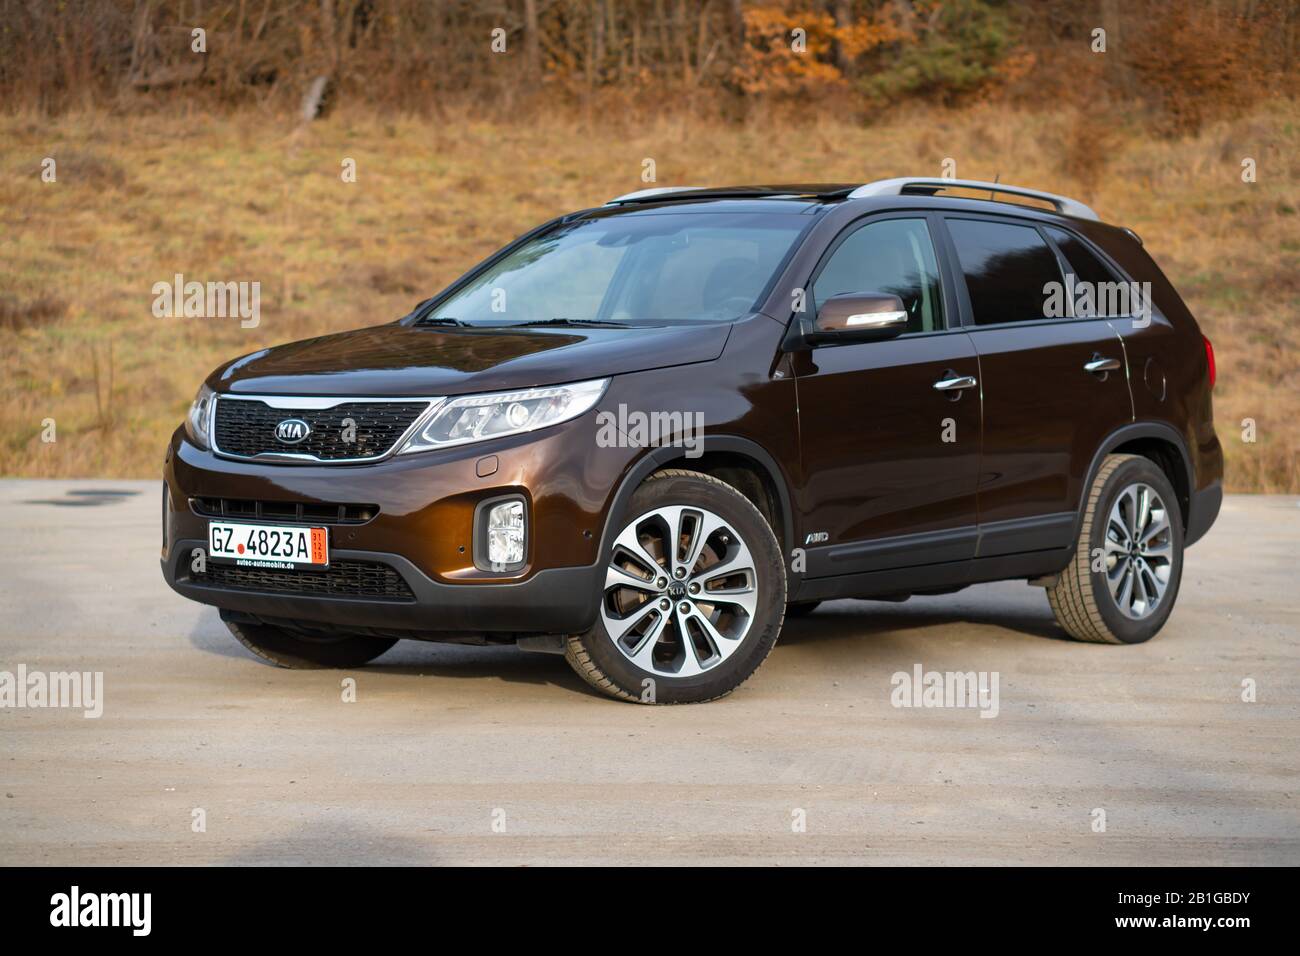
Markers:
730,553
284,648
801,608
1085,601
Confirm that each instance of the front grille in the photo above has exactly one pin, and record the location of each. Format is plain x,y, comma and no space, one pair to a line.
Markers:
246,428
297,512
342,579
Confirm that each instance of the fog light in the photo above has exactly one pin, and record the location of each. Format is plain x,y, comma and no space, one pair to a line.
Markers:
505,535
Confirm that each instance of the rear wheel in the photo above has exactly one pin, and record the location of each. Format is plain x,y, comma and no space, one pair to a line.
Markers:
1122,583
302,651
693,597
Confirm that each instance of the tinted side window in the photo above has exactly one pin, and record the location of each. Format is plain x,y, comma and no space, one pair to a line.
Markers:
1006,268
1086,267
894,256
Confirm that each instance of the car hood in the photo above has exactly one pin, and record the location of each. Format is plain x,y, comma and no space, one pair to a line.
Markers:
402,360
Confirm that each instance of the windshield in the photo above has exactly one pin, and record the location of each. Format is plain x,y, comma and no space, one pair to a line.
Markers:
630,269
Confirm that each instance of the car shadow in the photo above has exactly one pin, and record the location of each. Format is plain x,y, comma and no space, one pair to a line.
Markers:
474,662
85,498
834,622
851,619
420,659
210,636
336,843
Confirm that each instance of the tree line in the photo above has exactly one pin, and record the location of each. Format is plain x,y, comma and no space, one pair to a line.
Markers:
1185,58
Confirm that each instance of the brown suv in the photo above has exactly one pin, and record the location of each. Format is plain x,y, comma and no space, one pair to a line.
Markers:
642,434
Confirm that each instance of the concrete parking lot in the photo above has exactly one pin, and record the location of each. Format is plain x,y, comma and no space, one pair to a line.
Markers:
493,755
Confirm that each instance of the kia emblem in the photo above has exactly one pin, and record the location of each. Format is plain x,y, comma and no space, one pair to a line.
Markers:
291,431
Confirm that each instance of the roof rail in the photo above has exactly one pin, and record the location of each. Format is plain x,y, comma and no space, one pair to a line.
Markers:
652,191
908,184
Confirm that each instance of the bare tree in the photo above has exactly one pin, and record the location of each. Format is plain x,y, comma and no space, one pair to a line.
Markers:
532,48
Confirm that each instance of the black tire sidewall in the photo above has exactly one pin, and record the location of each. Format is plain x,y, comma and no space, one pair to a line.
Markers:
769,567
1123,628
286,649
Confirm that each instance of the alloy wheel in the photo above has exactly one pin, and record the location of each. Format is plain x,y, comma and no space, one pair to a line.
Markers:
1139,551
680,591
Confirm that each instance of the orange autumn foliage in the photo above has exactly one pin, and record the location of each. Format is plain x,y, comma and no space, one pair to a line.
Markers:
790,52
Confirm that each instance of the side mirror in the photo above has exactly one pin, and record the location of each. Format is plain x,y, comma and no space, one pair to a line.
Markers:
857,317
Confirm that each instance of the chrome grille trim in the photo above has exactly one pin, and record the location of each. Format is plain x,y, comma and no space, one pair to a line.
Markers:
317,403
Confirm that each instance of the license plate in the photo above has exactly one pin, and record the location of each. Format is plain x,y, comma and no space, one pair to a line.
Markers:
267,546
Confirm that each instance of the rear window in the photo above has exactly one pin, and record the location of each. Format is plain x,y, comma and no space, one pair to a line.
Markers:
1006,268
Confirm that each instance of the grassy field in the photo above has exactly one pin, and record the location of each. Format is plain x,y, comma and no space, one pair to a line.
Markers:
248,197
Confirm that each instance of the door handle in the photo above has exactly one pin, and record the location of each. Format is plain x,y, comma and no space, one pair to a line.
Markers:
951,382
1100,363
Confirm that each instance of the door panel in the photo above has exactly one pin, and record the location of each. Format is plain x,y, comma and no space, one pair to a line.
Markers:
1044,418
889,462
1045,412
876,465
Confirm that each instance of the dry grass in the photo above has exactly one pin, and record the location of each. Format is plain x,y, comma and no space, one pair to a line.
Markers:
245,197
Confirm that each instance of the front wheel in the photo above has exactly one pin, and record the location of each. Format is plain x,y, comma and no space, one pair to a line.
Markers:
1121,585
693,597
302,651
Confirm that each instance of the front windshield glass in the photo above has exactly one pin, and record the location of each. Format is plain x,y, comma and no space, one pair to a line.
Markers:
631,269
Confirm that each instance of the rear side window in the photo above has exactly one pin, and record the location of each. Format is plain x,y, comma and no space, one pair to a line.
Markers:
1007,269
1083,261
894,256
1086,268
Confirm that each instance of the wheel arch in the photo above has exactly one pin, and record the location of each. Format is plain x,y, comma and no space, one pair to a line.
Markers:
1156,441
722,456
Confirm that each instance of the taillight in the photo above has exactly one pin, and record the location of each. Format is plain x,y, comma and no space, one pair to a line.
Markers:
1209,360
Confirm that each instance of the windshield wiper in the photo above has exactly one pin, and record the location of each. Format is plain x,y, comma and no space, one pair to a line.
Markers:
576,323
441,320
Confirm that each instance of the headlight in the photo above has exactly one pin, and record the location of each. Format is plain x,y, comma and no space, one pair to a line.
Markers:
478,417
196,422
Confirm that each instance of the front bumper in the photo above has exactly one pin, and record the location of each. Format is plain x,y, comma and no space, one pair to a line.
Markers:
423,530
552,601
